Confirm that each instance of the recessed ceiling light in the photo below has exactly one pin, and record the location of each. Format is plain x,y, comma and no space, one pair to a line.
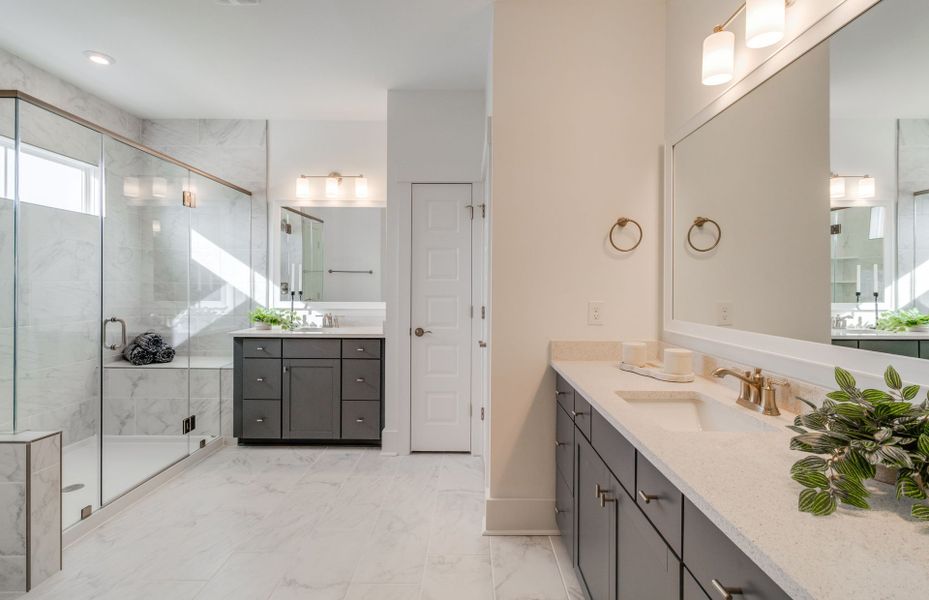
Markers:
99,58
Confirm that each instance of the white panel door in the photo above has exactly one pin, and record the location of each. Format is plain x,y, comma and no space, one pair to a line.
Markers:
441,318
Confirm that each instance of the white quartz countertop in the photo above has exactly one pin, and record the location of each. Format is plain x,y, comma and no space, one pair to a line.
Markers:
329,332
741,481
877,334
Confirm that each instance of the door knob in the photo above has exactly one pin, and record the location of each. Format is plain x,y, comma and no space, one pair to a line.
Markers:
420,332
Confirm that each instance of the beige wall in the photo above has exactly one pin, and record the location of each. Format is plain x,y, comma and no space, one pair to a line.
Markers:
578,93
761,170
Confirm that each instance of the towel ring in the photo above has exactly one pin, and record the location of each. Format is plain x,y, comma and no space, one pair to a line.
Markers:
620,223
700,222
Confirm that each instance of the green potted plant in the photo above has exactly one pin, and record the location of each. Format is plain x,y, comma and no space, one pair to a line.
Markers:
265,318
903,320
858,435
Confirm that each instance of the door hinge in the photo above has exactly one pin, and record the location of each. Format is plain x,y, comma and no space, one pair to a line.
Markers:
470,207
483,210
203,443
482,413
193,422
189,199
185,426
472,311
483,312
86,511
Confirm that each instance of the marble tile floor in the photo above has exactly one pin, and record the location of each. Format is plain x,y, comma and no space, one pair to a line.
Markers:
312,523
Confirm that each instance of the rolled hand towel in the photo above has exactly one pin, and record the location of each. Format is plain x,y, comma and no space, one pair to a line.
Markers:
138,355
165,355
151,341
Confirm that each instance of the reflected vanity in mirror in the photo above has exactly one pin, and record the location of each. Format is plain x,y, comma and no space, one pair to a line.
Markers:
819,182
331,253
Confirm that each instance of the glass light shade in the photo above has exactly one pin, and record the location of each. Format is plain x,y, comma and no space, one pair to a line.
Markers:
718,58
131,187
837,187
159,187
361,187
764,22
332,187
303,187
867,187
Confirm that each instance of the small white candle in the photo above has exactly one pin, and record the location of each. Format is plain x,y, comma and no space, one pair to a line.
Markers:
858,279
300,278
876,290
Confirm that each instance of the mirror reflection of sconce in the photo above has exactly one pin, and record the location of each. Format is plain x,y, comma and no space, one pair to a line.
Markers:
334,182
867,186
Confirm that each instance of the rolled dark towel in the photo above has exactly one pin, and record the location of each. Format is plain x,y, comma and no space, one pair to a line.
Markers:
165,355
138,355
151,341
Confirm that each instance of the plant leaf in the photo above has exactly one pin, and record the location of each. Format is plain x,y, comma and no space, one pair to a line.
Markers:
811,479
851,410
814,420
851,486
797,429
839,396
923,444
817,443
853,464
887,410
844,379
895,457
876,396
809,463
919,511
817,503
892,378
907,486
910,392
853,500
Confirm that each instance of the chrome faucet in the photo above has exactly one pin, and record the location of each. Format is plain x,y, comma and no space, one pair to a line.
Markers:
755,393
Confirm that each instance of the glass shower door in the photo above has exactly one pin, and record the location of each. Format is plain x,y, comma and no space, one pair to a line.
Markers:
7,261
146,376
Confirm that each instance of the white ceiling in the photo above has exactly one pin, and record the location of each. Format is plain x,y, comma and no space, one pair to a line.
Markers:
878,63
288,59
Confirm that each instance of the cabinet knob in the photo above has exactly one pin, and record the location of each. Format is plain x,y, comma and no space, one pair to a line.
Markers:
558,444
647,498
359,349
359,380
260,420
560,393
260,379
576,414
260,348
726,593
360,420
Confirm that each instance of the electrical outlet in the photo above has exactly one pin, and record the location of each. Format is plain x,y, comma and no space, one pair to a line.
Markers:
595,313
724,313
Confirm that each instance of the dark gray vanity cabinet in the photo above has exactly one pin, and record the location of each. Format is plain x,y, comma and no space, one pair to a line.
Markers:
298,389
311,398
631,533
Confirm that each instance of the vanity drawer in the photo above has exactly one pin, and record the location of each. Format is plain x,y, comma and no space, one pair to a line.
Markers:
581,414
261,419
710,555
352,348
361,420
326,348
361,379
261,378
660,501
899,347
564,393
564,447
261,348
614,449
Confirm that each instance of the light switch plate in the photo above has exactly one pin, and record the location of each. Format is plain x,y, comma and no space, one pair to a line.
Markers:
595,313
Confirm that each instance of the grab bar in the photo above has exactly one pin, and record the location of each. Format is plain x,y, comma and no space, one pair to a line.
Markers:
369,272
122,324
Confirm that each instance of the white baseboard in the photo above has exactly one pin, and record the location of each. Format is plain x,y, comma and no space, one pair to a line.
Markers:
104,514
519,516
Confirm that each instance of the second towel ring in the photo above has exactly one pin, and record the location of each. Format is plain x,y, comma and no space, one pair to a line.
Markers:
619,224
699,222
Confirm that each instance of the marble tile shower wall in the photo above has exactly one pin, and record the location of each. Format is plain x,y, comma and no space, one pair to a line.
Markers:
237,151
913,212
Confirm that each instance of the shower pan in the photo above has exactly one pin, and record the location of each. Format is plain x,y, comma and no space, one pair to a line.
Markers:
102,239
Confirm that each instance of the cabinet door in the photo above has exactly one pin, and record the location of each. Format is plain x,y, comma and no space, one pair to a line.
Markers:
564,448
596,523
312,398
646,567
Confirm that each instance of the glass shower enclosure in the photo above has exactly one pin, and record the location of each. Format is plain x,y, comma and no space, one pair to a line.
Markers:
101,240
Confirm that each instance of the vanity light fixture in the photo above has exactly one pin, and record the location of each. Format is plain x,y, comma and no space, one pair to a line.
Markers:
99,58
333,185
836,186
159,187
764,25
131,187
867,186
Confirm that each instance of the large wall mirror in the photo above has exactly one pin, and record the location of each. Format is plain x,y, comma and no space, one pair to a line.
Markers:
819,181
330,253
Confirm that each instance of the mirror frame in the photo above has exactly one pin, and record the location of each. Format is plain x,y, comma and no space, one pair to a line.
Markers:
274,258
808,361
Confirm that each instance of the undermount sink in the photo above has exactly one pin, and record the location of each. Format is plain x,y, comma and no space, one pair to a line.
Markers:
691,411
308,329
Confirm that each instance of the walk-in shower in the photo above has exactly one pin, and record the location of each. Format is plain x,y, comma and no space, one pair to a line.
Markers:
98,233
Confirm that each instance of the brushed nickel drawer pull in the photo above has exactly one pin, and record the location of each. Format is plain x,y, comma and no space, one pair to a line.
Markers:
724,592
602,496
360,420
647,498
359,380
359,349
576,414
260,420
259,348
560,393
558,511
260,379
558,444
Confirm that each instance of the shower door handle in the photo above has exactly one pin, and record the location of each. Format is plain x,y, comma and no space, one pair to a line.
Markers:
122,324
